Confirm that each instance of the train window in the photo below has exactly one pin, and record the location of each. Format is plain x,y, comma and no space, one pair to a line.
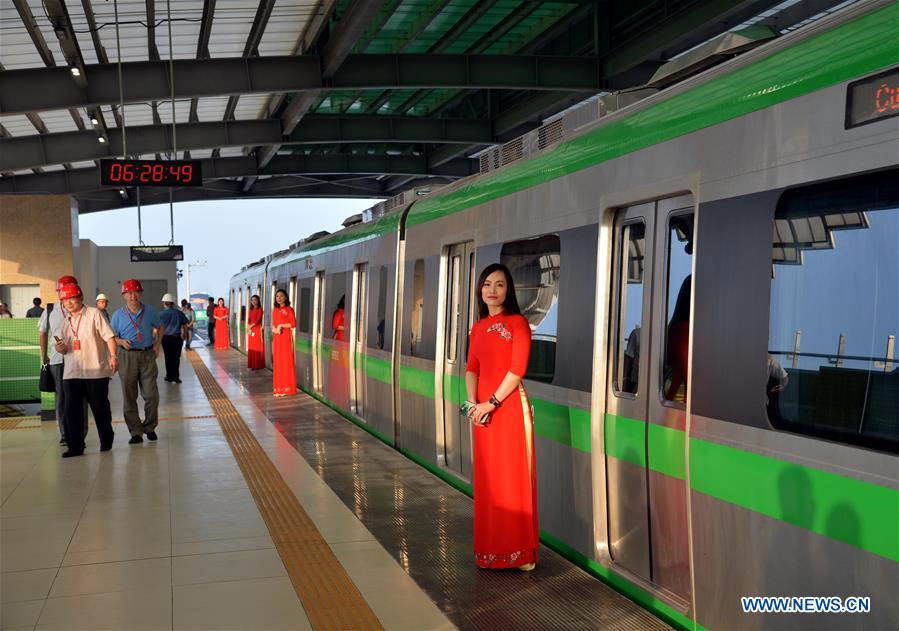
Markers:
378,340
274,291
835,312
534,264
630,307
678,283
418,305
305,309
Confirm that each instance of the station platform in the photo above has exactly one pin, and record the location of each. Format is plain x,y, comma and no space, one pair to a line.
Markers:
252,512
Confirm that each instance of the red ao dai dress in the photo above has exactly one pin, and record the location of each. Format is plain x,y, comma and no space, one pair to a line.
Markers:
505,481
255,345
283,360
222,341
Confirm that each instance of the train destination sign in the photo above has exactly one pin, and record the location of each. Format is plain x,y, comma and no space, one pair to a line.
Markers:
873,98
150,253
151,173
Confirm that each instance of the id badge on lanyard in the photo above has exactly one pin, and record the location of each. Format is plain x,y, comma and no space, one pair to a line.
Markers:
76,343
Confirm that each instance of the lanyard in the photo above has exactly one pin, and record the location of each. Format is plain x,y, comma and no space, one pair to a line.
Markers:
136,325
75,328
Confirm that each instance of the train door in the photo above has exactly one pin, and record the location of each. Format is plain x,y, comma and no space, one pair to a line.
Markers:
318,324
646,392
357,340
456,446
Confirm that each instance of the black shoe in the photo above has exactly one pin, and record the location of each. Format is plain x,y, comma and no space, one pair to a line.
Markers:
105,447
176,380
62,441
137,438
152,436
71,454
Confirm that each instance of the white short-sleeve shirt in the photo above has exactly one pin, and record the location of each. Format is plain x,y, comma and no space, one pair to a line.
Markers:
91,361
52,325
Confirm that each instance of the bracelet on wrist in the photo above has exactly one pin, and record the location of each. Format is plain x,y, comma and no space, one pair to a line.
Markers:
494,401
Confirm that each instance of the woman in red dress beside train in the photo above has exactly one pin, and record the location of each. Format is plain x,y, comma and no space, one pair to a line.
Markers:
255,345
505,481
222,339
283,361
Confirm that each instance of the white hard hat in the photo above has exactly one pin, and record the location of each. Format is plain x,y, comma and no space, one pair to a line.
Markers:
168,298
102,297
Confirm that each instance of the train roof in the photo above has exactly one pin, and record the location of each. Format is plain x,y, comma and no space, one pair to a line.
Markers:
854,42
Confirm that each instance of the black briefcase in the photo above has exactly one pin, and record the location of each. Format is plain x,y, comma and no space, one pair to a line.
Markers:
47,382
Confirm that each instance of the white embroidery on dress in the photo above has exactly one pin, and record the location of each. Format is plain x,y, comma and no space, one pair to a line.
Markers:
500,328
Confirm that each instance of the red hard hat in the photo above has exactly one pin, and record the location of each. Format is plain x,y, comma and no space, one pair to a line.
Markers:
132,284
70,290
65,280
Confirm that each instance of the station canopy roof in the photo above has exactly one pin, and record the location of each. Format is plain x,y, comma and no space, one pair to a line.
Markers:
318,98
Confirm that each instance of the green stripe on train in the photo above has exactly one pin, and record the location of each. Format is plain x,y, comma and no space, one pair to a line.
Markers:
856,48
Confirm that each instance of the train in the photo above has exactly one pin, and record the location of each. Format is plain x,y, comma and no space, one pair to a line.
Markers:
710,274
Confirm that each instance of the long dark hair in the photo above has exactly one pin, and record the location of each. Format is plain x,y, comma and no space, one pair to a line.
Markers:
342,302
222,300
286,298
510,305
258,301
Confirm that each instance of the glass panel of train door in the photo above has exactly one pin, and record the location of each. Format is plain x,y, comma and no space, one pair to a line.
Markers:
456,429
625,426
357,343
666,407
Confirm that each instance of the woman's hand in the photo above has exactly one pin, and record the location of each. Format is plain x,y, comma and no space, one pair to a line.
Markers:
479,412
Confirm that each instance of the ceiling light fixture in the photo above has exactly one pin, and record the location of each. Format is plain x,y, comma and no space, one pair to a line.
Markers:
101,140
75,72
95,121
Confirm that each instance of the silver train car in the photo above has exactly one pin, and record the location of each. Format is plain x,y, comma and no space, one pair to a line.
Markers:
711,278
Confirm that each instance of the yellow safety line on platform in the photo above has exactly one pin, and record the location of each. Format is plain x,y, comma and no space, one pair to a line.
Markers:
17,422
330,598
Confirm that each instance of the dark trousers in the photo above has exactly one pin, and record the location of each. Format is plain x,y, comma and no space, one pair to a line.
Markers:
211,331
171,346
96,392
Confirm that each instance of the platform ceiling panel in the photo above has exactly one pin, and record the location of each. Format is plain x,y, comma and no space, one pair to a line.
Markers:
186,20
82,31
211,108
135,114
46,29
59,121
16,48
231,27
18,125
132,32
288,21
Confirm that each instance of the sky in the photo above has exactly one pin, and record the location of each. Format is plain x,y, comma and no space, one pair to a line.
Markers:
226,234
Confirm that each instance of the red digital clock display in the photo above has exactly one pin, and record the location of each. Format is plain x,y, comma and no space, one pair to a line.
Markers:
151,173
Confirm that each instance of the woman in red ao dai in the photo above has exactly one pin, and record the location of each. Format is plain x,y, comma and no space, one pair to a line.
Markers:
505,481
255,345
283,361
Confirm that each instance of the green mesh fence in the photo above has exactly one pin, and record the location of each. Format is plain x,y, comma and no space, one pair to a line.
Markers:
20,362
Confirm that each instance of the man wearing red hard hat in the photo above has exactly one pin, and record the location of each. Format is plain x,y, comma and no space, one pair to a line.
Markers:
138,331
88,344
50,328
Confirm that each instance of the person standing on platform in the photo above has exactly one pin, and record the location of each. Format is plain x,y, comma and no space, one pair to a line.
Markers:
88,343
283,361
102,303
222,338
338,320
36,311
138,332
191,322
255,343
174,324
4,311
210,321
505,481
50,330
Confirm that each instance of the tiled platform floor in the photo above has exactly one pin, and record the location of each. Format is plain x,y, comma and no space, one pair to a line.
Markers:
166,535
425,524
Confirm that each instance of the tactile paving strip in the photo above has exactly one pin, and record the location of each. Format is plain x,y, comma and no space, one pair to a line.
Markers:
426,525
330,598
